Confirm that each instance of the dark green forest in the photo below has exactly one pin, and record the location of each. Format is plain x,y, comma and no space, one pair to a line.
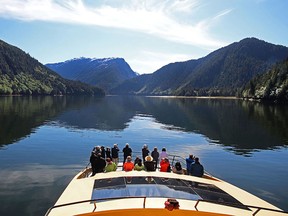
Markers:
272,86
249,68
223,72
20,74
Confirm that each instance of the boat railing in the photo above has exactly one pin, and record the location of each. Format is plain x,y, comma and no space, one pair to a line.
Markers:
94,201
258,208
173,158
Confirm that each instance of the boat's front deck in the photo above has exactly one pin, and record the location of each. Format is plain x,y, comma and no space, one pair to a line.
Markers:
150,190
145,186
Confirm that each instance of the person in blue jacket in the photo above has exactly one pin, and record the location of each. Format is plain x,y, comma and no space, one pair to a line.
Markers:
196,168
189,161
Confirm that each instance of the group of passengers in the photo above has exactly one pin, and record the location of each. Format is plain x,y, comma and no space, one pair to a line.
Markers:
149,162
98,162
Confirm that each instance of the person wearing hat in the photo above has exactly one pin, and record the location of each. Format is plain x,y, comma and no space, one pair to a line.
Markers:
110,166
128,165
96,150
149,163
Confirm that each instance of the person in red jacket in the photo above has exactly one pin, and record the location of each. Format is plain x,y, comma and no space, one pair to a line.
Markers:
165,165
128,165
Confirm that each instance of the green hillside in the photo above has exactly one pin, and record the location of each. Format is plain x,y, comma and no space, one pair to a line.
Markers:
272,86
223,72
20,74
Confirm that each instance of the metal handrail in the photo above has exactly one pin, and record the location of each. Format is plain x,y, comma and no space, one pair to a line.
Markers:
94,200
173,158
144,204
239,206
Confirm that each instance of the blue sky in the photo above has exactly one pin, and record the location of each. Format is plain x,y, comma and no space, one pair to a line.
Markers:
147,34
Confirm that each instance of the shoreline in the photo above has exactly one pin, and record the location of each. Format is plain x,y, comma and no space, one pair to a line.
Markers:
201,97
172,96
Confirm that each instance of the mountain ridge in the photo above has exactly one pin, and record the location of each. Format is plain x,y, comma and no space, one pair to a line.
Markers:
105,73
223,72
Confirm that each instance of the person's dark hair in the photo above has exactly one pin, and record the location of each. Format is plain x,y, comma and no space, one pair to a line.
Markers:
197,159
139,162
178,166
163,149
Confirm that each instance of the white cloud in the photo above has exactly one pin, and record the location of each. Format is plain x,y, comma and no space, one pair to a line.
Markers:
151,17
223,13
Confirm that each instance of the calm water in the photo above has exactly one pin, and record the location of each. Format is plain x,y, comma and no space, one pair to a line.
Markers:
45,141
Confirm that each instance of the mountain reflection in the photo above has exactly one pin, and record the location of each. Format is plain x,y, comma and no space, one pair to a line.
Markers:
19,116
240,126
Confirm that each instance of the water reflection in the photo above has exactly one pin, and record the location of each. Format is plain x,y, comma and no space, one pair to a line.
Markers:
240,126
19,116
57,132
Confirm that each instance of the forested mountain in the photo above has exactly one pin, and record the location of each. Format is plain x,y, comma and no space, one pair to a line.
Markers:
221,73
24,75
105,73
272,85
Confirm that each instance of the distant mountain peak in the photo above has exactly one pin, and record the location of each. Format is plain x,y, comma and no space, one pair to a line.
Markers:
103,72
88,59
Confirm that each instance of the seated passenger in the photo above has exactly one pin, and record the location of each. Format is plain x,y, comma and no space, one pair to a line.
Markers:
165,165
139,166
177,168
128,165
110,166
136,160
149,163
196,169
